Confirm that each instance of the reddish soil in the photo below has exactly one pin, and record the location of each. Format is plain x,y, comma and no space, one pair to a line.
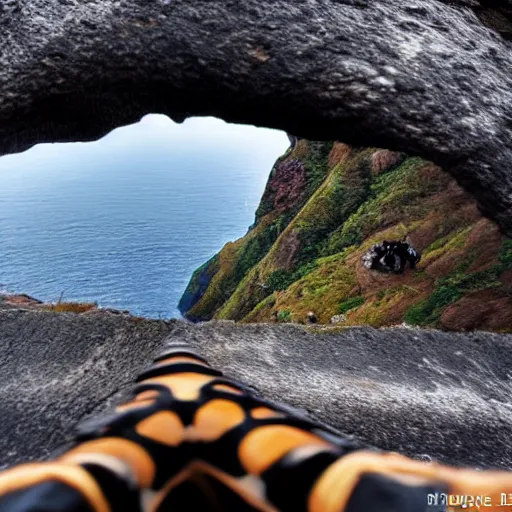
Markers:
288,183
383,160
339,153
486,309
485,240
506,278
286,251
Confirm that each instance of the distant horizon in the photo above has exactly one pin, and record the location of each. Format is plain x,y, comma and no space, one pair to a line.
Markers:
126,219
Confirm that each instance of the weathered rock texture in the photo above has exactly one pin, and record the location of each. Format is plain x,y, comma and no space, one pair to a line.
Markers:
418,392
58,368
424,76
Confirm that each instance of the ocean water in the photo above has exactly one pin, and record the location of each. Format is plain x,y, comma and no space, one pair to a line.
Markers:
125,220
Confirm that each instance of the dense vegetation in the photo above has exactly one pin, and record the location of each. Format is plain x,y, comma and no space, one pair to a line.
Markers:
325,204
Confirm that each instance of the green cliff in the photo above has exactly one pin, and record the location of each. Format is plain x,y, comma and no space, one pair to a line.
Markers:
324,206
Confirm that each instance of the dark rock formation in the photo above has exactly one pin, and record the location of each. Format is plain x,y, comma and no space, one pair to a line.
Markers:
425,76
496,14
418,392
202,278
58,368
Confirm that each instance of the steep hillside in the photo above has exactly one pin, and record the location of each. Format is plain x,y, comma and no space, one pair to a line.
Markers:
324,205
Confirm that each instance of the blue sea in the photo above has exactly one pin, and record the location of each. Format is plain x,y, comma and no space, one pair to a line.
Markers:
125,220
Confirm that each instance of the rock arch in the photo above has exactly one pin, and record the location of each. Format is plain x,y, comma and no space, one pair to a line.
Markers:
429,77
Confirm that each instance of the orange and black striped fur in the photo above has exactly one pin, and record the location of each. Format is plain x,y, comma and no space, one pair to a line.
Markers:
192,440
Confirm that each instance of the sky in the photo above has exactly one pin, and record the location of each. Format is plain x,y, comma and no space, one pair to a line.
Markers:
159,134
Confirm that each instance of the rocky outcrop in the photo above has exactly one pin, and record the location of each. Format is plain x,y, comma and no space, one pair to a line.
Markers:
348,200
225,272
384,160
423,393
429,77
287,184
428,394
30,303
199,283
58,368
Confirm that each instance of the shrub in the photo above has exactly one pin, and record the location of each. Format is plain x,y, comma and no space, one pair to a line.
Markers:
480,280
316,163
352,303
304,270
73,307
346,188
268,302
284,315
450,289
505,254
428,312
393,197
279,280
250,254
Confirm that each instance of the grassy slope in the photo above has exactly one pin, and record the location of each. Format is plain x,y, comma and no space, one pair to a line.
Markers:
464,280
344,188
225,272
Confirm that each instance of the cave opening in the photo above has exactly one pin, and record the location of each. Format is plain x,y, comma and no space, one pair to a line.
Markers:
125,220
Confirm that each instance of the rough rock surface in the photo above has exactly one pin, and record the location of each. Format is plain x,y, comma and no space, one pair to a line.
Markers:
287,184
424,76
384,160
419,392
58,368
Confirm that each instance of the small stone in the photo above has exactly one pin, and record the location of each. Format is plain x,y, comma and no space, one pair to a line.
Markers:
338,319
